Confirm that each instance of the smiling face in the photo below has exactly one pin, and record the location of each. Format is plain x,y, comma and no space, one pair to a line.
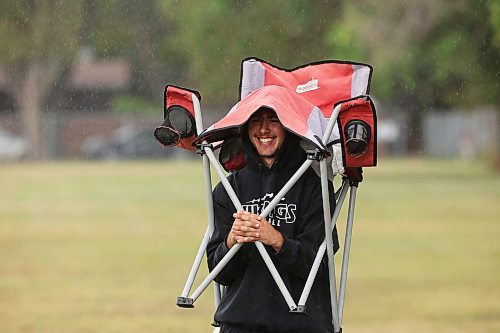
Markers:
266,134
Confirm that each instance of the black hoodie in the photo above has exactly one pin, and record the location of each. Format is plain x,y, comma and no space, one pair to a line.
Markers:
252,299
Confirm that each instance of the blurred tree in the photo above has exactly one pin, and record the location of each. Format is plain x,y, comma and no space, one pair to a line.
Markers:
139,32
215,37
494,18
427,54
38,39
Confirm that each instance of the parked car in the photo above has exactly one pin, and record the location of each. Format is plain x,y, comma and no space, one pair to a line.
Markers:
12,147
126,143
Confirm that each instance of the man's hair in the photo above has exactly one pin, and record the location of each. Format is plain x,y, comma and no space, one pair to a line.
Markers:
264,108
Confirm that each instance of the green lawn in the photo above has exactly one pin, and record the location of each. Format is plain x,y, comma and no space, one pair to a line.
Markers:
106,247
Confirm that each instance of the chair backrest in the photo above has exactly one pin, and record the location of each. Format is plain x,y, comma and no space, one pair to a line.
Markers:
323,83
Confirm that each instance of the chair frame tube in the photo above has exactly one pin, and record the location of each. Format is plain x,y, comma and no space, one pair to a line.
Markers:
347,249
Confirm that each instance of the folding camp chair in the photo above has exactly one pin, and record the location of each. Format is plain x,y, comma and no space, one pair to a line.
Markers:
327,105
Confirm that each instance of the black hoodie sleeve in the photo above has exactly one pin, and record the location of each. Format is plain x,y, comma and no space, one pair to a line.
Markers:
298,253
217,248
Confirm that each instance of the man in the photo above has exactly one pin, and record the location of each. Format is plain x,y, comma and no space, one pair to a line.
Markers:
292,234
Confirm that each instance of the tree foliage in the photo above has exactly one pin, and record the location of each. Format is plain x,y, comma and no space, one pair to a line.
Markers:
215,37
38,39
426,53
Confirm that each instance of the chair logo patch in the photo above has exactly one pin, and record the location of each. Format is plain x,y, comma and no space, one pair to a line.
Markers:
308,86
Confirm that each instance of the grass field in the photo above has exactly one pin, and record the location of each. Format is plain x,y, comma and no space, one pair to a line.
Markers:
106,247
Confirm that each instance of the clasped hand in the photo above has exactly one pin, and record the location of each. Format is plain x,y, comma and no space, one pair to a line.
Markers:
248,228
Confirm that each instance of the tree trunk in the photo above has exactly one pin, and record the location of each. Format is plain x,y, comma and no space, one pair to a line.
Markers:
33,83
496,157
30,105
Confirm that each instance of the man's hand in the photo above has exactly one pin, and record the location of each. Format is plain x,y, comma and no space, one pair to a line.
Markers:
249,228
